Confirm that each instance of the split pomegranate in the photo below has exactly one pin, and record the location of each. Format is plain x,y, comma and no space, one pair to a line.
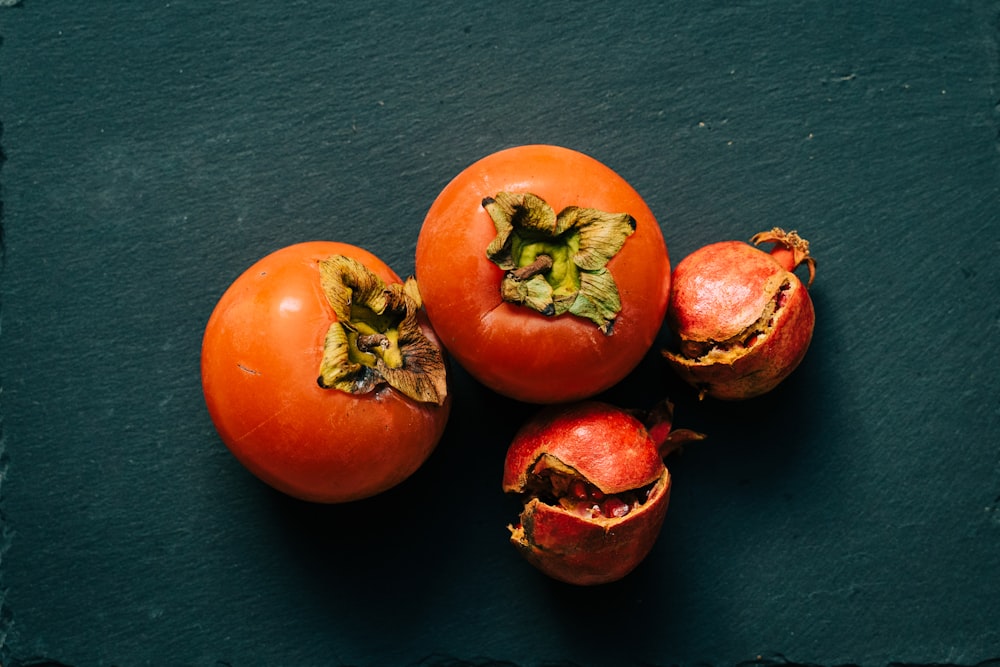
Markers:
595,489
741,319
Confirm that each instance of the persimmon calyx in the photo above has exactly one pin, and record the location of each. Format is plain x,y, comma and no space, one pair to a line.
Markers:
557,264
376,338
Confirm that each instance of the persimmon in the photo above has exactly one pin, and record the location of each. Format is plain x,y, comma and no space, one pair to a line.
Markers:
322,375
544,273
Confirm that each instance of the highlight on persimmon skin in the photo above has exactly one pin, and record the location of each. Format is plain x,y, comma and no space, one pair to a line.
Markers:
322,375
594,488
544,273
741,319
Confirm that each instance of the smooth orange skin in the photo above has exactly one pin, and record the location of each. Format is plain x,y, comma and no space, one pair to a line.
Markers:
613,451
260,362
717,292
511,349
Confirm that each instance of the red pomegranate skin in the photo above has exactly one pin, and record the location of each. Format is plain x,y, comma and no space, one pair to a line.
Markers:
607,456
741,318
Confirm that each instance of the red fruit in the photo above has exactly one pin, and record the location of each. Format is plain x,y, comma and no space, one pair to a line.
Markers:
595,486
741,318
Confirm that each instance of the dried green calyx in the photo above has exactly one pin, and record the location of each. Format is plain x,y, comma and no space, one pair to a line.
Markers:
377,338
557,264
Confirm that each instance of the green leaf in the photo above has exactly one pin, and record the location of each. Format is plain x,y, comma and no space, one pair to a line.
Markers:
511,213
535,293
598,299
602,235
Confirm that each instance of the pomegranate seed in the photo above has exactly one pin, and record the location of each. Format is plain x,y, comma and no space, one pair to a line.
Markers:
578,490
615,507
596,494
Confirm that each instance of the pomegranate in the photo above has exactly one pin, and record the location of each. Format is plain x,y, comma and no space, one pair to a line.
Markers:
741,319
595,488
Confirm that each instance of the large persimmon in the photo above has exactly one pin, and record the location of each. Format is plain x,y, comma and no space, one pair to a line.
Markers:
544,273
322,375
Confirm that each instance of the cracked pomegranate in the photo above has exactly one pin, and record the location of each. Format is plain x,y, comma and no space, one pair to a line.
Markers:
742,320
595,489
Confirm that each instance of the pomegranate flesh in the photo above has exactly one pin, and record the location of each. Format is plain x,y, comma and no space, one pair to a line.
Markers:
740,317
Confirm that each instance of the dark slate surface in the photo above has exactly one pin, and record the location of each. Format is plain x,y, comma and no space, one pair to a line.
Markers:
154,150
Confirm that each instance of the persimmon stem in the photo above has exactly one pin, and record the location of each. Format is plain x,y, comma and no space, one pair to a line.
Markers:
541,264
368,342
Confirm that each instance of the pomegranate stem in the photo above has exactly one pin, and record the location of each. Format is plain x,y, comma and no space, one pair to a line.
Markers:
790,250
659,425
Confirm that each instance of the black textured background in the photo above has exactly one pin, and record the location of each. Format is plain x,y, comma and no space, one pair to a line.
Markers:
155,149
